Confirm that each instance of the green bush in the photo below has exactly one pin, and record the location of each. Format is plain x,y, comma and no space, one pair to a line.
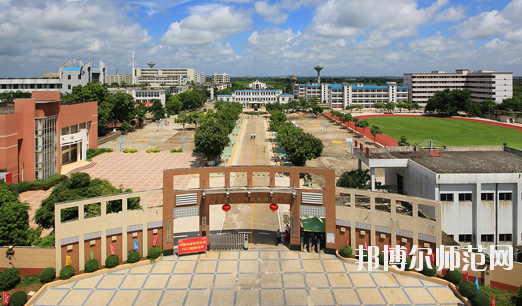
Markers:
92,265
153,150
9,278
173,150
133,257
126,150
133,150
66,272
381,259
155,252
407,265
92,153
39,185
364,256
47,275
454,277
427,271
149,150
180,150
124,125
112,261
19,298
346,251
479,299
520,294
467,288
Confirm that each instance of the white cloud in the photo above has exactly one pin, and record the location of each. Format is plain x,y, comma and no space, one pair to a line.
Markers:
515,35
484,25
207,28
272,13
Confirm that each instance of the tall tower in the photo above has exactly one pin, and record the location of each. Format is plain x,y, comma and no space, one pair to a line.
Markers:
151,64
318,69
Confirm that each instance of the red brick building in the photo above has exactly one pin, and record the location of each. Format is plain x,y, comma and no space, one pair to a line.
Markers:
40,134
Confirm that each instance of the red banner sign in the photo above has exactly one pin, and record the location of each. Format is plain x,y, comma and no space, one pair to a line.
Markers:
192,245
154,240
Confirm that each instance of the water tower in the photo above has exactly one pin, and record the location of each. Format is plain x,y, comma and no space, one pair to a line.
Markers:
318,69
151,64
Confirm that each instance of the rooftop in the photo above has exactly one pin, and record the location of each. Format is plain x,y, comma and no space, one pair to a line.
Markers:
461,161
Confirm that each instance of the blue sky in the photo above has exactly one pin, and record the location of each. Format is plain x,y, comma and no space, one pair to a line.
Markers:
263,38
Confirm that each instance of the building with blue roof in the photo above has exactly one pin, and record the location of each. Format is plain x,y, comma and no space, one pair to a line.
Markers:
252,98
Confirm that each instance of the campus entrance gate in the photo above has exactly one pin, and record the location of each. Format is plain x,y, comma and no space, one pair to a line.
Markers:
196,201
227,241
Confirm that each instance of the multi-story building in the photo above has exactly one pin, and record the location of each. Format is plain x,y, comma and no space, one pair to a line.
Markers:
72,73
40,134
484,84
256,98
119,78
164,77
145,96
257,85
201,78
480,187
343,95
221,77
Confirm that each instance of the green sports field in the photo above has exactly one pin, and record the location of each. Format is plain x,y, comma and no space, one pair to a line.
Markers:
450,132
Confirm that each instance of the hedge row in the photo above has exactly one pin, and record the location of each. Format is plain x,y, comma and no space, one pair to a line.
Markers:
156,150
130,150
38,185
176,150
92,152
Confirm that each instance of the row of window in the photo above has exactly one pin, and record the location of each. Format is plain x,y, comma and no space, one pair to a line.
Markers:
31,86
486,238
486,196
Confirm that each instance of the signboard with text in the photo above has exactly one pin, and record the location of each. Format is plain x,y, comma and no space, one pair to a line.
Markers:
192,245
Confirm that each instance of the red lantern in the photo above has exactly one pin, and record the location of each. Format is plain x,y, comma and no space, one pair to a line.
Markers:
273,207
226,207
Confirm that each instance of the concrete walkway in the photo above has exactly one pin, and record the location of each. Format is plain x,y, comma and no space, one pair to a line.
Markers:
249,278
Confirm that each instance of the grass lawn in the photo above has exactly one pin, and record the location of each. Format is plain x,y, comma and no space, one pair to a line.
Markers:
448,131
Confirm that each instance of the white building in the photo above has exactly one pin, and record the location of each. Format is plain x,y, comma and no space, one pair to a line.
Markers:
145,96
164,77
480,187
257,85
221,77
201,78
256,98
72,73
484,84
119,78
343,95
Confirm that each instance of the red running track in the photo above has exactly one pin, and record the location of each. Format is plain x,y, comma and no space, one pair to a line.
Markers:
383,139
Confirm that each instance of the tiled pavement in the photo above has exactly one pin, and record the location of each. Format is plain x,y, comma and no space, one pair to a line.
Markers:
249,278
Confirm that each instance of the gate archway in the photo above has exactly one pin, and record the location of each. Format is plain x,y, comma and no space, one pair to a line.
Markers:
303,200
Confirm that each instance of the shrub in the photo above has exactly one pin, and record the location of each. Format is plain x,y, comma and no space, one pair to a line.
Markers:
381,259
9,278
92,265
47,275
66,272
155,252
112,261
346,251
124,125
427,271
173,150
467,288
19,298
39,185
479,299
520,293
156,150
90,151
152,150
180,150
93,153
149,150
133,257
126,150
454,277
407,265
133,150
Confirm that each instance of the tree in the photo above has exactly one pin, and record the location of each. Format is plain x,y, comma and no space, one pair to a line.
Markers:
448,102
378,105
183,118
211,139
403,141
375,130
14,218
157,109
354,179
390,106
304,104
277,118
313,100
358,106
363,124
316,109
123,107
401,105
347,118
174,104
293,104
301,147
79,186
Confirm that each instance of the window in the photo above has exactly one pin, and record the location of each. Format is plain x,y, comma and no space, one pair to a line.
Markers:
464,197
505,237
68,86
486,197
79,76
504,196
464,238
486,238
446,197
69,77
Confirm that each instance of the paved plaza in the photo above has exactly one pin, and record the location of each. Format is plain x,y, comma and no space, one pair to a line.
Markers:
249,278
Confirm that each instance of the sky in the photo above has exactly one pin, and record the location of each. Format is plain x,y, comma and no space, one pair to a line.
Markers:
263,38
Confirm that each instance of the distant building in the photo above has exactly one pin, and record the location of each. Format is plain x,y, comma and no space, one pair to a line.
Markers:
40,134
221,78
119,78
484,84
256,98
201,78
164,77
72,73
145,96
343,95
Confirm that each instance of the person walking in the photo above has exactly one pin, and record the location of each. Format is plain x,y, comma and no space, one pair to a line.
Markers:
278,237
283,237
